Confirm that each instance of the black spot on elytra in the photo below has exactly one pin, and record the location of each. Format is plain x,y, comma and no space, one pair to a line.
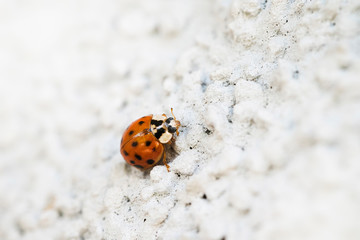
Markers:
159,132
204,196
156,122
169,120
132,161
171,129
134,144
141,122
154,149
147,143
131,132
150,161
139,166
138,157
126,153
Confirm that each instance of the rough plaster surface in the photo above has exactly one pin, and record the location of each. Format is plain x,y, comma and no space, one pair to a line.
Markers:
268,93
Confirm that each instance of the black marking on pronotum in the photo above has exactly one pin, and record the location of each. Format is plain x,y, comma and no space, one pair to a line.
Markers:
150,161
156,122
138,157
132,161
138,166
134,144
169,120
148,143
159,132
131,132
126,153
171,129
141,122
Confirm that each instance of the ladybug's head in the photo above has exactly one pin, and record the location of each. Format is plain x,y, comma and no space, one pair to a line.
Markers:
164,127
172,124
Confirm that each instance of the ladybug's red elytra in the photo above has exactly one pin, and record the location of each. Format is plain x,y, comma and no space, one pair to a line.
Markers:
142,144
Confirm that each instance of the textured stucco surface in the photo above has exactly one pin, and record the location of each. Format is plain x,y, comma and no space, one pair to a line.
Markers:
268,93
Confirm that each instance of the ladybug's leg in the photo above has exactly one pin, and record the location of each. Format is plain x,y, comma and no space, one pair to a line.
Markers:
165,163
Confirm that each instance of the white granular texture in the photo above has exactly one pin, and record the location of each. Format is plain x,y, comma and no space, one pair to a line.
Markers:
268,94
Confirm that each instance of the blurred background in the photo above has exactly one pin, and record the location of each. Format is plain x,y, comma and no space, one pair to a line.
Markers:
73,75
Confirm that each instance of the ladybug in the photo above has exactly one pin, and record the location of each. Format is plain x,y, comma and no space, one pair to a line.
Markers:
142,144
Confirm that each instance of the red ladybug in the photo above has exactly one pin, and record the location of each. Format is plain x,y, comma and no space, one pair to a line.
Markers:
142,144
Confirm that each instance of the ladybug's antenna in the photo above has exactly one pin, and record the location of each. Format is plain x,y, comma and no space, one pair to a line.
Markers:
177,122
173,113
